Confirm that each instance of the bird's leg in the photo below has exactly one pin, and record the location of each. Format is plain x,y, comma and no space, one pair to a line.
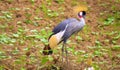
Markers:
66,53
63,52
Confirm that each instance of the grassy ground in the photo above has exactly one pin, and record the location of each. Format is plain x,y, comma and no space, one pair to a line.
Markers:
25,26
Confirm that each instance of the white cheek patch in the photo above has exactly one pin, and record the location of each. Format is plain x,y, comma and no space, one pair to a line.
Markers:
80,13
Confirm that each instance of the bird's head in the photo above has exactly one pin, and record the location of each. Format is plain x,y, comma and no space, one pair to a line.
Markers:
81,14
80,10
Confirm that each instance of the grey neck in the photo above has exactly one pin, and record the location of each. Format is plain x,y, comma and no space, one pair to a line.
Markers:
82,20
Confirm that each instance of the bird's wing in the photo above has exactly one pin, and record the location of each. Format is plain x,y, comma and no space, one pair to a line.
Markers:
75,27
72,28
62,25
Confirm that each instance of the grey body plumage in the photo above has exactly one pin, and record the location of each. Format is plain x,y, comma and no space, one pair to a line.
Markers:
63,31
74,26
67,28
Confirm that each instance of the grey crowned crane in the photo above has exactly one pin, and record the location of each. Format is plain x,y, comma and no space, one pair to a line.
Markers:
65,29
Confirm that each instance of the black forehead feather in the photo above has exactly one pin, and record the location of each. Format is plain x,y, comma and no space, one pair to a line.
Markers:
84,13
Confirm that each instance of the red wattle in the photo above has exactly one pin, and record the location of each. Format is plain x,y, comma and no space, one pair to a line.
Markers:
80,16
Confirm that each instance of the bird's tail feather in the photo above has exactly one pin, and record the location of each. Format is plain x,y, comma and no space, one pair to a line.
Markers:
47,50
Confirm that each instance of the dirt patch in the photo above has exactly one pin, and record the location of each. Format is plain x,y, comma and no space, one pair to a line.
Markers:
30,16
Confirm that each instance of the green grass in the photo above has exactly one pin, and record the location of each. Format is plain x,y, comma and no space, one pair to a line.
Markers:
48,12
6,15
24,45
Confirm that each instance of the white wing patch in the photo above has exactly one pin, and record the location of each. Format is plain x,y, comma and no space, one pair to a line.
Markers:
60,34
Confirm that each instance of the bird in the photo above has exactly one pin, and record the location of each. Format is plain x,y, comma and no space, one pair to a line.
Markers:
64,30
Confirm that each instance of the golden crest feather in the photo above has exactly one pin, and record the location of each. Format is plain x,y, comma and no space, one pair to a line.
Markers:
80,8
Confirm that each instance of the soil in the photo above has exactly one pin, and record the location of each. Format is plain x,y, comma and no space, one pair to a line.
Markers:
96,7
